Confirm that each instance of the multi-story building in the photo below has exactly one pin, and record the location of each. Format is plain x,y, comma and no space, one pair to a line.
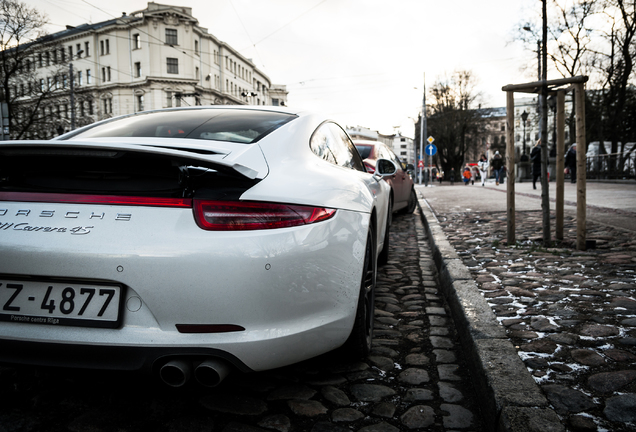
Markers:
155,58
402,146
525,138
492,135
361,132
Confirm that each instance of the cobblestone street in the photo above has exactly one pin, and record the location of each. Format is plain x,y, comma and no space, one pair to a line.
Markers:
415,378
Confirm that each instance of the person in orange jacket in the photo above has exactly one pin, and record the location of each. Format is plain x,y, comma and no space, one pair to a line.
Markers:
467,174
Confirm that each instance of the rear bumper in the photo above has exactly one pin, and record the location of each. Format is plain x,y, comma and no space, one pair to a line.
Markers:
126,358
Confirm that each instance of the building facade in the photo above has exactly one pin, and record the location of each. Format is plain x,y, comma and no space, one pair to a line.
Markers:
159,57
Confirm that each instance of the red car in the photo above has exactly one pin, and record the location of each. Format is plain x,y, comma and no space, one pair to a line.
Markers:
403,197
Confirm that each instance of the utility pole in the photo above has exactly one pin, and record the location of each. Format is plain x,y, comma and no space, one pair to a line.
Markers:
545,191
423,133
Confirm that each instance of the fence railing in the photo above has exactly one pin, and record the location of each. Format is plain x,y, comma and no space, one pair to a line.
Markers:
612,166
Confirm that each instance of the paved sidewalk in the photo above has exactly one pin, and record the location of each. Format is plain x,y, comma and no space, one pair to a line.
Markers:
563,317
609,203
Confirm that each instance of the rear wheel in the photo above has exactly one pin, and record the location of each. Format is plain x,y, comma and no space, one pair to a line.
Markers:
359,343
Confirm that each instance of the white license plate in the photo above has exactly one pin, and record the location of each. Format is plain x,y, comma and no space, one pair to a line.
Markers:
59,303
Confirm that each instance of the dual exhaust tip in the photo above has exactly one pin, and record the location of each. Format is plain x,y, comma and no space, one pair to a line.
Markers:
210,372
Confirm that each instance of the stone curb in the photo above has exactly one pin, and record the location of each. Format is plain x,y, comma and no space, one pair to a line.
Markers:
510,399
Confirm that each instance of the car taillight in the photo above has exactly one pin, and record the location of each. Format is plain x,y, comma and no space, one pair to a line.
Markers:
370,168
237,215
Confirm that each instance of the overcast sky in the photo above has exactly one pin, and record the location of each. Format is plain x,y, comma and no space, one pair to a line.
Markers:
362,62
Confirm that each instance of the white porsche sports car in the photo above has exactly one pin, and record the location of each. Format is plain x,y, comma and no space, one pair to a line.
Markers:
189,242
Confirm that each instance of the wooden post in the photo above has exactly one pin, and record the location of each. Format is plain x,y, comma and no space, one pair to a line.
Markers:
560,163
510,164
581,204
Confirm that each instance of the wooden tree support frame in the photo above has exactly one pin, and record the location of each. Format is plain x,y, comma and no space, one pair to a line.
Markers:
554,87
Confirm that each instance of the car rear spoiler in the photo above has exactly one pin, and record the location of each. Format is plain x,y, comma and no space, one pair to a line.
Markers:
245,159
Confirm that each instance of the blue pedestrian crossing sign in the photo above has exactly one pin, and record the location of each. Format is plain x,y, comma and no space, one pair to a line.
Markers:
431,149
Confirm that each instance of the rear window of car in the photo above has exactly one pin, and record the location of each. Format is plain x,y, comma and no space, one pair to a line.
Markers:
364,150
239,126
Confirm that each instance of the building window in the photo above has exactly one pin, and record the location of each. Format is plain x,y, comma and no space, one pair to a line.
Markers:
40,61
137,41
196,47
173,65
138,70
78,49
140,103
104,47
171,37
80,79
106,74
108,106
90,107
274,102
168,99
196,72
88,76
87,51
64,81
70,52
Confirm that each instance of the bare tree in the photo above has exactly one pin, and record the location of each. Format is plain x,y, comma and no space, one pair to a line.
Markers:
595,38
616,67
23,50
453,118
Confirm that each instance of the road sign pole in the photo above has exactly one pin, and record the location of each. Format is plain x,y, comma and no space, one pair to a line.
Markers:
423,129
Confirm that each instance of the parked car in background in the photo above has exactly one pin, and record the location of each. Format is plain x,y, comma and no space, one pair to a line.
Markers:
403,196
190,242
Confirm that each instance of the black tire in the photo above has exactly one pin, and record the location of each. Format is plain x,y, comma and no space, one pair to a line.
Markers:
383,256
358,345
410,207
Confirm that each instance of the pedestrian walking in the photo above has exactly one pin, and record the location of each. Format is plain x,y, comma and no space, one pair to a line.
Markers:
483,168
535,158
570,163
497,166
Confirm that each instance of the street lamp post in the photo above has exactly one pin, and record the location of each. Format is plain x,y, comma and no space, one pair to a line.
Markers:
524,117
72,89
552,105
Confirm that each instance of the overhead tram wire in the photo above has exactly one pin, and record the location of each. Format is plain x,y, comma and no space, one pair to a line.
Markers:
285,25
247,33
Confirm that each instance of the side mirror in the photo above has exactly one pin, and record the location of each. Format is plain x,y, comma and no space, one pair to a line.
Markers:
385,168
